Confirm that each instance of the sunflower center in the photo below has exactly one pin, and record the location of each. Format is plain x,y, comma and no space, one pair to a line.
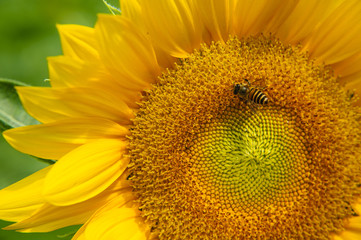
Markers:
210,164
249,161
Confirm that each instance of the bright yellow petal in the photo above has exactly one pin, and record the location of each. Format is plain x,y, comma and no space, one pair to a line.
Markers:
306,16
353,82
352,231
123,200
68,72
53,104
49,217
117,224
126,52
339,36
118,228
54,140
357,207
174,26
280,12
354,225
131,9
78,42
80,234
65,71
119,219
21,199
218,18
348,67
251,17
336,237
85,172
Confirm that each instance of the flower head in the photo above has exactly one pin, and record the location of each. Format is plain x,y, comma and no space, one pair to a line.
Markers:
152,142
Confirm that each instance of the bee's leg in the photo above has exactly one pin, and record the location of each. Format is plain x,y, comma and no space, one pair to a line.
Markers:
263,88
249,84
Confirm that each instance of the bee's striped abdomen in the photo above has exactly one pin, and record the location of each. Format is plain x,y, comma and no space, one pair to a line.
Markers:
257,96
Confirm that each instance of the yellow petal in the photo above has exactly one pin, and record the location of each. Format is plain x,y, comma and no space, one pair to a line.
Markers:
131,9
251,17
352,227
352,231
21,199
357,207
53,140
218,18
85,172
125,199
348,67
280,12
174,26
305,17
65,71
68,72
336,237
49,217
119,43
353,82
78,42
118,219
339,36
53,104
120,223
80,234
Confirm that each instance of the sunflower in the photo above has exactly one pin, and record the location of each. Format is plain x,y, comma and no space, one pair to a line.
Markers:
153,141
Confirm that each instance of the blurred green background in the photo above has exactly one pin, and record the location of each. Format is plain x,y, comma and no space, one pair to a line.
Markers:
27,36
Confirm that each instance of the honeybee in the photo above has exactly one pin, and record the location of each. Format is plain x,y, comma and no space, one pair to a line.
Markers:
250,94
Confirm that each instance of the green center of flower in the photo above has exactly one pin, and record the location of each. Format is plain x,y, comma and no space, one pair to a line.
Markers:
250,160
208,164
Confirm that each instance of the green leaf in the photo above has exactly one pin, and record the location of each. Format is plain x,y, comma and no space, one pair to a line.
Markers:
12,113
114,10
